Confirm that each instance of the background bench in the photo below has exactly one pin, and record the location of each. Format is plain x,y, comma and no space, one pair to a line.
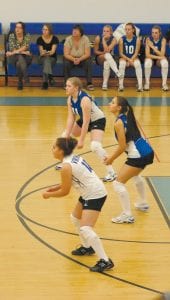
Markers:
62,30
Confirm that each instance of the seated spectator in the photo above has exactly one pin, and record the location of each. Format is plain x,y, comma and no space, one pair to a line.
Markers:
129,47
104,50
19,52
47,44
77,54
155,54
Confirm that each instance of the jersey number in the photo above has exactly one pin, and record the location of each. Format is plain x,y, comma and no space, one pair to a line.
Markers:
129,49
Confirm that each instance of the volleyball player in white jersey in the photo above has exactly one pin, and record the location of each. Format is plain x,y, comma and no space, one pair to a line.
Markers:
155,52
91,118
129,46
77,173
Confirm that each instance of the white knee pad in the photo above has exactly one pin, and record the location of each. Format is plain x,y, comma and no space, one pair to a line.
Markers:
74,220
148,63
122,63
138,179
119,187
137,63
164,63
87,233
108,56
98,149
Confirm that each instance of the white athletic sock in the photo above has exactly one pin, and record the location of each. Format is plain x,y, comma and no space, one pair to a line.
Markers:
121,190
97,148
147,68
76,223
93,240
111,62
164,71
140,186
106,73
122,67
138,70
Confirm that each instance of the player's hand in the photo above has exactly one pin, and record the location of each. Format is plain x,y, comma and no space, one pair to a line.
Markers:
45,195
80,145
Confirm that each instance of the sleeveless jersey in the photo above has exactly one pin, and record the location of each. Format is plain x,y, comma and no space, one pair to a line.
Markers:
157,44
136,147
129,46
84,179
108,42
96,112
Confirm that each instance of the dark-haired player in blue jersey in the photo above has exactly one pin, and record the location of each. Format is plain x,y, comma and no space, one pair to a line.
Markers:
90,118
139,155
155,53
129,47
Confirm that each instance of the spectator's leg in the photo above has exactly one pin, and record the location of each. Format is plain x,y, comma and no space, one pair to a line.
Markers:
138,70
147,68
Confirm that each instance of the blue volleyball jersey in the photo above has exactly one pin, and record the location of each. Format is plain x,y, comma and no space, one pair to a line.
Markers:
136,147
108,42
157,45
96,112
129,47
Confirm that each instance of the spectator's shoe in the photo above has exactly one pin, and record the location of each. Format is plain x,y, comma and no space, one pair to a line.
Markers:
165,88
123,218
120,88
102,265
51,80
20,85
104,87
90,87
109,177
146,87
45,85
142,206
83,251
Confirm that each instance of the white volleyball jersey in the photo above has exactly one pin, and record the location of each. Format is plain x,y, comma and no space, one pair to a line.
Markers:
84,179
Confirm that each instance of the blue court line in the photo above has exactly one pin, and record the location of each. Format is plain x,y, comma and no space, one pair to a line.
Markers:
160,187
61,101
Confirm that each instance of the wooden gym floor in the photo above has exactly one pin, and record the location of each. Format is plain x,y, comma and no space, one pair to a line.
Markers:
37,235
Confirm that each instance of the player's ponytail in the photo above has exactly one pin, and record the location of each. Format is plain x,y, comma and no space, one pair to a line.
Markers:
66,144
127,109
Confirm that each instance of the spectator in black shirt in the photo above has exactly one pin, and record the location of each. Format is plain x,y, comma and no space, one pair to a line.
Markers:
47,44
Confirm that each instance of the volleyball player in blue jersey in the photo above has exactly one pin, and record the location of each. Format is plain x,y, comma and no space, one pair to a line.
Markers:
155,52
139,155
129,47
85,116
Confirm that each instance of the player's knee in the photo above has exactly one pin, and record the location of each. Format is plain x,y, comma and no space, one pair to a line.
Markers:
107,56
95,146
87,233
119,187
122,63
74,220
137,63
164,63
148,63
138,179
